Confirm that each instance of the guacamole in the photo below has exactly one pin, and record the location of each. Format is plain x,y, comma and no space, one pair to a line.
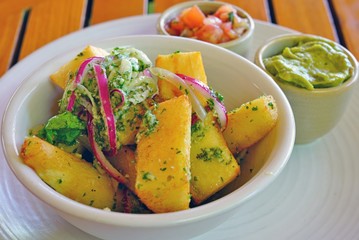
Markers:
312,63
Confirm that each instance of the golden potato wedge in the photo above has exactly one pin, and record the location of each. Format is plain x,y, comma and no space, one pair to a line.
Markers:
212,164
68,174
163,158
188,63
67,71
250,122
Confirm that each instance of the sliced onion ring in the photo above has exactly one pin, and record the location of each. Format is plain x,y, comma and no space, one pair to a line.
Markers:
205,91
122,96
106,165
79,78
147,72
109,118
181,84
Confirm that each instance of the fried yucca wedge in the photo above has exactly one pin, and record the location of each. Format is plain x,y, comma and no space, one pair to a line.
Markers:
187,63
68,174
212,164
69,70
163,157
250,122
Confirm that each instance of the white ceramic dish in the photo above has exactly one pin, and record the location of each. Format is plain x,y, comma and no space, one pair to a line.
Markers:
318,111
315,197
36,98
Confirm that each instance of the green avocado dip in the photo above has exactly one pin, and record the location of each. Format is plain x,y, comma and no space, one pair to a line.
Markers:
312,63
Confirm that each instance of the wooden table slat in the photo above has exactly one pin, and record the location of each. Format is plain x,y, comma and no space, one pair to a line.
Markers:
348,15
106,10
306,16
9,33
162,5
256,8
14,6
52,19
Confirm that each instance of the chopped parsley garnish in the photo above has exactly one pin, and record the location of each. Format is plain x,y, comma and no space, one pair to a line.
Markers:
231,16
271,105
147,176
210,103
150,121
218,95
197,131
208,154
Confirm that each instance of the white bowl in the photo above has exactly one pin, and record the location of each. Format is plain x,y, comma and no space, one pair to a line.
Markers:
317,111
240,45
235,77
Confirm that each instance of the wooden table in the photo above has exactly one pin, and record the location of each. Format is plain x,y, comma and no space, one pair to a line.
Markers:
26,25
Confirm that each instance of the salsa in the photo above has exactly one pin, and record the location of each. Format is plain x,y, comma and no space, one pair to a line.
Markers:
221,26
312,63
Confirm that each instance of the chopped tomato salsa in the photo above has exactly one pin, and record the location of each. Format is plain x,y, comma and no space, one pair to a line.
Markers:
222,26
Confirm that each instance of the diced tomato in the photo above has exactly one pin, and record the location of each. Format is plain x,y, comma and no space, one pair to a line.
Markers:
210,33
171,31
223,12
177,25
193,17
222,26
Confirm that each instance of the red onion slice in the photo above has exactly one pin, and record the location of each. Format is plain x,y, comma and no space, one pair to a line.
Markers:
208,93
104,95
181,84
122,96
106,165
83,69
147,72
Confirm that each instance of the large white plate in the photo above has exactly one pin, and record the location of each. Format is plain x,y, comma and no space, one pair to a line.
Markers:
315,197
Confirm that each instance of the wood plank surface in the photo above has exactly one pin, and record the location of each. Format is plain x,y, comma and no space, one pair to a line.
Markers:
256,8
347,12
9,32
52,19
161,5
15,6
307,16
105,10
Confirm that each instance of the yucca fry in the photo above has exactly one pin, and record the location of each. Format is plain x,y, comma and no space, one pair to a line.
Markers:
68,71
250,122
163,158
187,63
68,174
212,164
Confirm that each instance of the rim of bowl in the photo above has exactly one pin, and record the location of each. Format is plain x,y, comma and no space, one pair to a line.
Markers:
224,204
162,20
294,36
